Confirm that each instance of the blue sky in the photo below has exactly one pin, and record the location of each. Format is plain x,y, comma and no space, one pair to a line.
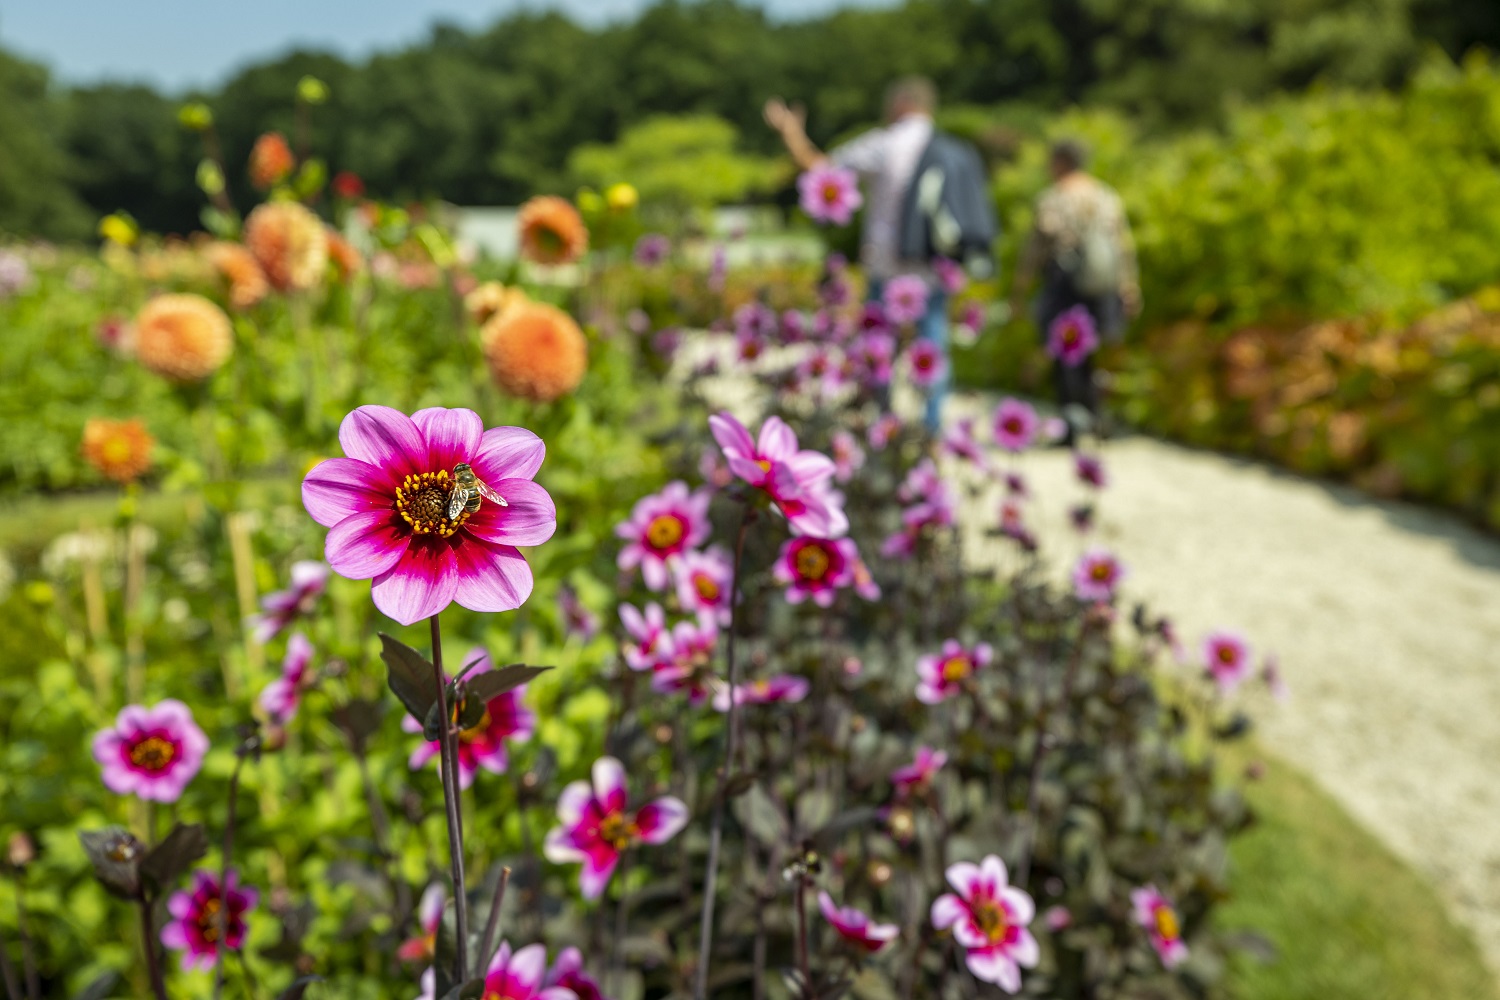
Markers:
176,44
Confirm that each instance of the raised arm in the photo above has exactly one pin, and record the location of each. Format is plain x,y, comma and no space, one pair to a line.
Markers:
791,124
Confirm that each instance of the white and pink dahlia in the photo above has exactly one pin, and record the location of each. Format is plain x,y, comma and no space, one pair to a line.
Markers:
660,529
988,918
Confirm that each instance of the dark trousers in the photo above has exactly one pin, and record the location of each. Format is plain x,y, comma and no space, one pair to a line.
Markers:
1075,384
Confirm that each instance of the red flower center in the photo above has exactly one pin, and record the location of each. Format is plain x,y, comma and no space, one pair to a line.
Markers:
153,753
1101,572
665,531
422,502
1012,425
208,919
1070,335
1227,655
812,562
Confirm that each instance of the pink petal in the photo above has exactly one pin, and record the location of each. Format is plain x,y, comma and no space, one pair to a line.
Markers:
490,577
1025,951
661,820
385,438
731,434
594,877
778,442
527,968
609,784
508,453
366,545
993,870
420,585
501,961
948,910
964,877
992,966
530,519
452,436
338,487
1019,903
573,801
430,909
559,848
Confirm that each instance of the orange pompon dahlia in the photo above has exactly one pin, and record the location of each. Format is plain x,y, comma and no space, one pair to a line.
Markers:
182,337
490,300
119,449
347,261
552,231
289,242
247,282
271,160
535,351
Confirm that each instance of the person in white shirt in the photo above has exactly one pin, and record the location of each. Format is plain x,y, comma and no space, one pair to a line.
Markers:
886,159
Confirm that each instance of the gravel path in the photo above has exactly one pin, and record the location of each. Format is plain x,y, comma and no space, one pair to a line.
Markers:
1386,619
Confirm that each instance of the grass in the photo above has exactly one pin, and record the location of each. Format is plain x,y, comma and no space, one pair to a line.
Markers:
1348,918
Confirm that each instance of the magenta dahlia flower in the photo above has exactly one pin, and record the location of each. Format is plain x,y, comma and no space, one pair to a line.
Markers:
423,946
855,927
1090,470
194,928
926,364
482,745
989,918
387,505
567,972
829,194
282,607
873,354
1072,336
689,669
650,643
941,675
816,568
916,777
660,529
151,753
1227,657
796,480
1097,575
787,688
1154,912
950,274
280,698
596,828
704,580
1015,425
521,975
904,298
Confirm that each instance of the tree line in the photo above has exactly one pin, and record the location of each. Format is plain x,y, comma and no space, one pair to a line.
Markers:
490,116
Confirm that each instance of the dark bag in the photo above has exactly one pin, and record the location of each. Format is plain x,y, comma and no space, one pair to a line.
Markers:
947,210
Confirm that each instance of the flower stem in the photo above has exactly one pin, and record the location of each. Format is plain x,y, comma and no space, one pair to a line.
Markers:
492,923
802,961
449,769
1039,753
222,944
716,832
148,941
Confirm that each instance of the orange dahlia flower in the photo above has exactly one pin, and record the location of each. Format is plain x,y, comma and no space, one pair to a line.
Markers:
119,449
346,260
535,351
271,160
247,282
182,337
491,299
289,242
552,231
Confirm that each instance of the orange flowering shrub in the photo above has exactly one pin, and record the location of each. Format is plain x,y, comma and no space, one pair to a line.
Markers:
271,160
289,242
182,337
247,282
552,231
118,449
535,351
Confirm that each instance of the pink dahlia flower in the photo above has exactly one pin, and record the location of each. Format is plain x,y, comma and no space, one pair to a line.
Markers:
783,688
882,430
816,568
941,675
1090,470
1072,336
1227,657
873,354
194,928
749,346
855,927
689,669
596,828
660,529
151,753
961,442
1015,425
926,363
387,504
280,698
1097,575
794,326
829,194
521,975
923,484
1155,913
482,745
904,298
567,972
848,456
989,919
650,643
950,275
704,580
916,777
795,479
423,947
282,607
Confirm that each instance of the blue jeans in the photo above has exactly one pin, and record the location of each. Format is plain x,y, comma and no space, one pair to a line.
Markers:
933,327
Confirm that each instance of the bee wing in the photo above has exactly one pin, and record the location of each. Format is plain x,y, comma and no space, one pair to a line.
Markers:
456,501
489,494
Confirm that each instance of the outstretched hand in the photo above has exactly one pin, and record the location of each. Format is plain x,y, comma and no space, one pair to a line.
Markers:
783,118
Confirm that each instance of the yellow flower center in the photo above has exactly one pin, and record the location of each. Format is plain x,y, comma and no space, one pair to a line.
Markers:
1226,655
665,531
956,668
616,832
208,919
152,753
477,730
990,916
812,562
1166,923
117,450
707,589
832,193
422,502
1100,572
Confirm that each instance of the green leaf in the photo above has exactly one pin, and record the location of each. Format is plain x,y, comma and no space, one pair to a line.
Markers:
101,988
167,861
410,676
763,817
483,687
116,856
472,990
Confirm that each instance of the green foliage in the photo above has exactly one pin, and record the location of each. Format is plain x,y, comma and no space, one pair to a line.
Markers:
35,196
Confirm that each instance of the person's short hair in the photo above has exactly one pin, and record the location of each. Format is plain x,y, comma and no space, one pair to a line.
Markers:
1070,153
912,91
